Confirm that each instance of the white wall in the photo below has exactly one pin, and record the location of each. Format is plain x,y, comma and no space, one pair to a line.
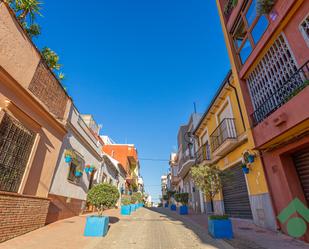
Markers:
81,140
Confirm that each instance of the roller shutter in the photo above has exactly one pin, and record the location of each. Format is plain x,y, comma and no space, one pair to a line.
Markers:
235,194
301,160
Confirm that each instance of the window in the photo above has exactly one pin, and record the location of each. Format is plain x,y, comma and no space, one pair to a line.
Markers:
16,143
304,29
248,30
270,82
72,170
76,165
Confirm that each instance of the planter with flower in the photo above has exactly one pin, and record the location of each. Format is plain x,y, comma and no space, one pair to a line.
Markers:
248,159
208,179
183,198
79,171
125,205
89,168
69,155
102,196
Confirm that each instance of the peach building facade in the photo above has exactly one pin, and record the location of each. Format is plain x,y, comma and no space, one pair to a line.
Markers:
33,105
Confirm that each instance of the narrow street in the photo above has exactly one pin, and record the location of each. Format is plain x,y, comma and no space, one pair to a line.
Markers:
154,229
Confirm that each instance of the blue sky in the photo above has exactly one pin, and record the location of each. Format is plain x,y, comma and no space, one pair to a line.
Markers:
138,66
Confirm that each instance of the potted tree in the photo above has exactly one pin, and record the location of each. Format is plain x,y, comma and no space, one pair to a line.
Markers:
165,198
208,180
125,205
138,197
102,196
170,195
133,202
183,198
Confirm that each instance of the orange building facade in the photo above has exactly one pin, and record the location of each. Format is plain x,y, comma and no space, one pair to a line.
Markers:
127,156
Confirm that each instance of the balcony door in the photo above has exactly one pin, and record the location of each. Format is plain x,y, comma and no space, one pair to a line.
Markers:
226,125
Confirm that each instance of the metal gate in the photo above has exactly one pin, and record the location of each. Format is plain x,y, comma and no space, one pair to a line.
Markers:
301,161
235,194
15,147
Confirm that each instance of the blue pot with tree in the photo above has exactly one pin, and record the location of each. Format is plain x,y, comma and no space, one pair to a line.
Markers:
173,207
183,198
125,206
102,196
220,227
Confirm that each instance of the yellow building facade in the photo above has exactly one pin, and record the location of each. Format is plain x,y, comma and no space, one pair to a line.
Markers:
224,139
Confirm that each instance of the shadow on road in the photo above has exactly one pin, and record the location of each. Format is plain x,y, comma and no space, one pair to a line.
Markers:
113,219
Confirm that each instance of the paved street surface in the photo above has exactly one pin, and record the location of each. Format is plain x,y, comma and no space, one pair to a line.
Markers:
153,229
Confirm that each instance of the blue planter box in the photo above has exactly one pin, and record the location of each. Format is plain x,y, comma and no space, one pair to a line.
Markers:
136,206
133,208
173,207
96,226
183,210
220,229
125,210
166,205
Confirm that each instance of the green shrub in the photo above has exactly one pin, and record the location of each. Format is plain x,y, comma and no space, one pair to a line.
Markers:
183,198
126,200
103,196
218,217
138,196
133,198
165,197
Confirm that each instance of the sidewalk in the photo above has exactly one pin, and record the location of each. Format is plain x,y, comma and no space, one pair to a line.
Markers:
249,236
62,234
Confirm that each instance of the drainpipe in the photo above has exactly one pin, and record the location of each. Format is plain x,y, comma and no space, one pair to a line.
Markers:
238,103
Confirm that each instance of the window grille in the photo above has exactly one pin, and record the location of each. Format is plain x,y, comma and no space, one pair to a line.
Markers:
304,29
16,143
270,76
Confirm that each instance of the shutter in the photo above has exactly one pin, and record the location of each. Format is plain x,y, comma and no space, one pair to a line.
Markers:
235,194
301,160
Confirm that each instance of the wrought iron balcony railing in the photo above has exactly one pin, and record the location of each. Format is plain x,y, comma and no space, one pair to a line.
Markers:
296,83
226,130
203,153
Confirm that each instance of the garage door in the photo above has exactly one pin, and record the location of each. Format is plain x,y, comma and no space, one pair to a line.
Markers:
235,194
301,160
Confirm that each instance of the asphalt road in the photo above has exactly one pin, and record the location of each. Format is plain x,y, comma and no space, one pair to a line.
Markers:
157,229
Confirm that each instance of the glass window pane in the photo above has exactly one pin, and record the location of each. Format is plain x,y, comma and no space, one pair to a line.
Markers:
251,13
240,33
245,51
259,29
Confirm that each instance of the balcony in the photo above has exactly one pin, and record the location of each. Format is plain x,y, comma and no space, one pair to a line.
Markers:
186,161
175,180
224,138
203,154
295,84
